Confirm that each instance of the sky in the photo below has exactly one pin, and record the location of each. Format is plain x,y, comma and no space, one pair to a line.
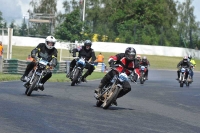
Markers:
17,9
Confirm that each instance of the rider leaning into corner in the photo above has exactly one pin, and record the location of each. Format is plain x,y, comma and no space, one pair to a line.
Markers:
46,51
87,52
125,60
183,63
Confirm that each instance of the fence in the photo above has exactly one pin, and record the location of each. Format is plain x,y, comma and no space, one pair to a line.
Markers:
19,66
13,66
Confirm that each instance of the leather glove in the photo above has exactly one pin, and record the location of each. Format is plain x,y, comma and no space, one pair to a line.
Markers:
111,63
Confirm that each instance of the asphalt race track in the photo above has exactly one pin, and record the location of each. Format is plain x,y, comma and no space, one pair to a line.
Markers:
160,105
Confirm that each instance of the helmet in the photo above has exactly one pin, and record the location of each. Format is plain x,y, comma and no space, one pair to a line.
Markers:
185,59
144,59
87,43
52,40
189,57
130,53
138,57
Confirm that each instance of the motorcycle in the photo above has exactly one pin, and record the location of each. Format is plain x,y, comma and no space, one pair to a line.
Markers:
143,70
77,71
111,90
33,80
182,79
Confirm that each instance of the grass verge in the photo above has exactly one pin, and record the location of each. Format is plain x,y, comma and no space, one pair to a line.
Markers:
156,62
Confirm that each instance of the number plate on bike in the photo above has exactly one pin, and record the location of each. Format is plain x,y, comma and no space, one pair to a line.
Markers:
43,62
123,77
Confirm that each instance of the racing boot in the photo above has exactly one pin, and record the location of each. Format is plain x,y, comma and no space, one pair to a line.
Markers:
83,79
41,86
23,78
178,75
115,102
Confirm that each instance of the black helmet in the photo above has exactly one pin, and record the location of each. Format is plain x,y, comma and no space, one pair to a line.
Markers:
130,53
87,43
189,57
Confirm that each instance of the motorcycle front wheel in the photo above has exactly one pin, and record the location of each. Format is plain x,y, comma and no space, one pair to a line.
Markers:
142,78
75,77
33,85
112,96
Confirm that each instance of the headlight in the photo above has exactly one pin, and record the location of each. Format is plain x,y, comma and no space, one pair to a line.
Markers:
42,66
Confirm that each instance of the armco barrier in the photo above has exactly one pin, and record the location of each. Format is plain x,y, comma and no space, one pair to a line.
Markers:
18,67
14,66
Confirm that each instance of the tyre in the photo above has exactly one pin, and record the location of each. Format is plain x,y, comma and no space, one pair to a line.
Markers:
26,91
112,96
181,82
33,85
75,77
142,78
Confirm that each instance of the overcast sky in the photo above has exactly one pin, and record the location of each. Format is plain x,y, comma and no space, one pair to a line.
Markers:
16,9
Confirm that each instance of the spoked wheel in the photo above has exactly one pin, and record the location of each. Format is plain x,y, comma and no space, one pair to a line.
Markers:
33,85
109,100
142,78
75,77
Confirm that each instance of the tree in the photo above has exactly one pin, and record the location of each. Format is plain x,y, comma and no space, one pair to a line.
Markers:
187,27
15,28
71,28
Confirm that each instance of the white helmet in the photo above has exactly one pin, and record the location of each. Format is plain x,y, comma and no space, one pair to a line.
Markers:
50,39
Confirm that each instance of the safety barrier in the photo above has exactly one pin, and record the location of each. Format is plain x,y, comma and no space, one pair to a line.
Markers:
14,66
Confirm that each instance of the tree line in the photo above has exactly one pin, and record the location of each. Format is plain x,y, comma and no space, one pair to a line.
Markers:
150,22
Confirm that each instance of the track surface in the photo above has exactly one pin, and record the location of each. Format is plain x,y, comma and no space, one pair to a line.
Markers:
157,106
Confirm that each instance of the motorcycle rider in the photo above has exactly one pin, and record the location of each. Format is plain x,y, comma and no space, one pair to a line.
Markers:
46,51
183,63
125,60
87,52
145,62
193,65
138,57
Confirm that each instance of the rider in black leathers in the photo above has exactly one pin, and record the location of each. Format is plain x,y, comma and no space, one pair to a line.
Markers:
87,52
183,63
46,51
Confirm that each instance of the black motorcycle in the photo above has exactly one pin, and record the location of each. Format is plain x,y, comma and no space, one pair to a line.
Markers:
182,79
110,92
33,80
76,74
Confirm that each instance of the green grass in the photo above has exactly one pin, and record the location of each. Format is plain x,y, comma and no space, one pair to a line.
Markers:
61,77
156,62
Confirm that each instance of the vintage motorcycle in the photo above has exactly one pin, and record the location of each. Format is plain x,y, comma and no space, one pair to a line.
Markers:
182,79
77,71
33,80
110,92
142,77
